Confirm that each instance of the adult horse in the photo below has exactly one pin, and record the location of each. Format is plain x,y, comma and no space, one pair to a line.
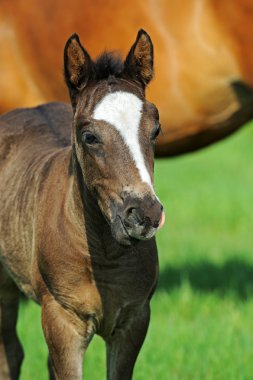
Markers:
76,228
204,58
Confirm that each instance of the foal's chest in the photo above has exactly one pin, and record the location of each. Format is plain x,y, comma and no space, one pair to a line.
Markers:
125,283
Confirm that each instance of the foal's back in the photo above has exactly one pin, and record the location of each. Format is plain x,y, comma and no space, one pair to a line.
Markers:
29,141
49,123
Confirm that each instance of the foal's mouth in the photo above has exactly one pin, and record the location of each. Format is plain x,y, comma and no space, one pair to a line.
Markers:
126,234
119,231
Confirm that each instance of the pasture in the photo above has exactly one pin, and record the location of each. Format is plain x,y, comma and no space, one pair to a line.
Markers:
202,312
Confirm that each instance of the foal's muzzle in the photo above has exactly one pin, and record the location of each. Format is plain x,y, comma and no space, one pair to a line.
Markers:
137,219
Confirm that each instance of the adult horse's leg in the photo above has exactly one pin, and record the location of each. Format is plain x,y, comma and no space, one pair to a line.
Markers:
67,338
11,353
123,348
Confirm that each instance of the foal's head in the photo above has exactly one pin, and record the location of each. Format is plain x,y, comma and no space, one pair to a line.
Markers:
114,133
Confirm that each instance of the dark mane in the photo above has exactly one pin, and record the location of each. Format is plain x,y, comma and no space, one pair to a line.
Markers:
108,64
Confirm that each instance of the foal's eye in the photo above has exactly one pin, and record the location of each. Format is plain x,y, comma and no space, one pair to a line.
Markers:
89,138
155,131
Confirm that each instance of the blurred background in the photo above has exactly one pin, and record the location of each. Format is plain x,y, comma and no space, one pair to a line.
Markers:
202,325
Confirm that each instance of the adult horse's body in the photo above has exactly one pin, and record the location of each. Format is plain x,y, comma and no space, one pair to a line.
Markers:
204,58
77,222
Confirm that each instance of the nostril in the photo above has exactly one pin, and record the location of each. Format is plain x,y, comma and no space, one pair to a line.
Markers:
133,216
130,211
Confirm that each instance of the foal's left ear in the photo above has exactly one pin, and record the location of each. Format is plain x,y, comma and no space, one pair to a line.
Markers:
139,61
77,64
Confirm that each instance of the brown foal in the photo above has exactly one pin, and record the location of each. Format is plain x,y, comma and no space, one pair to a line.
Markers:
78,214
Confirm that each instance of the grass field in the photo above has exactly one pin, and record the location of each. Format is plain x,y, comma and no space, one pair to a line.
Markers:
202,312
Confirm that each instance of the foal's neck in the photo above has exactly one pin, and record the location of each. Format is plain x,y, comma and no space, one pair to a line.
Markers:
90,226
83,210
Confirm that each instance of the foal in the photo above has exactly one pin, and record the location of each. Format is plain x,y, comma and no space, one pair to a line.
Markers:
78,217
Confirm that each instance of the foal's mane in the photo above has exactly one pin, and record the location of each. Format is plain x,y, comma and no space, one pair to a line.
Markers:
108,64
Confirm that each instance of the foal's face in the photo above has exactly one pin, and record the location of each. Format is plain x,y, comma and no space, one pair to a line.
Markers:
114,133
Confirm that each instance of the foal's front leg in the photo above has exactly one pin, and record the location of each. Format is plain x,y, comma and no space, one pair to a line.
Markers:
124,346
11,353
67,338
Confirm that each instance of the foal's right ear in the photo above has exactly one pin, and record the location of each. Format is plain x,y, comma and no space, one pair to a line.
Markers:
77,65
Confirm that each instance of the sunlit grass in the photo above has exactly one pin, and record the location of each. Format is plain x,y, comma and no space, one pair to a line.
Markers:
202,312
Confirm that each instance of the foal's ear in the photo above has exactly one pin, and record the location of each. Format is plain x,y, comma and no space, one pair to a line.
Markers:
139,61
77,64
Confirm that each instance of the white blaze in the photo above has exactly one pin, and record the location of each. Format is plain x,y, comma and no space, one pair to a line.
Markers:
123,111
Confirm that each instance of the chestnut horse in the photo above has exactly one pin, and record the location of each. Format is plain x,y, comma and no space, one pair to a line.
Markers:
204,58
78,216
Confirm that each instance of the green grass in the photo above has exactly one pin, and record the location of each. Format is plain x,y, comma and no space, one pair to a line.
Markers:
202,312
